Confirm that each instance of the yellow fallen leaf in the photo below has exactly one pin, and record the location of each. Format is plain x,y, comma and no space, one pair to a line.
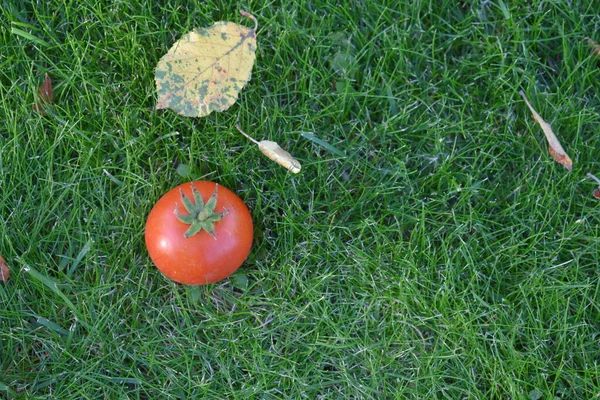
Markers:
275,153
556,150
205,70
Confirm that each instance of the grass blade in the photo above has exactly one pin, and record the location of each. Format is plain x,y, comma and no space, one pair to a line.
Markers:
29,36
53,286
52,326
86,248
324,144
112,177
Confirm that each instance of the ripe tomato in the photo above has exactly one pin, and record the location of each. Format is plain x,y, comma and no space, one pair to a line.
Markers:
198,233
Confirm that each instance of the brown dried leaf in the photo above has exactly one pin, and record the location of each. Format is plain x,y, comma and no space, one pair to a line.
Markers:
4,270
595,47
556,150
275,153
45,96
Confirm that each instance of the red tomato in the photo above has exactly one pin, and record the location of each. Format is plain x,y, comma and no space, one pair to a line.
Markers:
202,257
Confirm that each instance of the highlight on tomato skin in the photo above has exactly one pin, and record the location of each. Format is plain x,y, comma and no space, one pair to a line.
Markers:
199,233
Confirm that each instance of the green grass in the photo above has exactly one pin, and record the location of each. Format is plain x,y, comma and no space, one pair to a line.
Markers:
429,249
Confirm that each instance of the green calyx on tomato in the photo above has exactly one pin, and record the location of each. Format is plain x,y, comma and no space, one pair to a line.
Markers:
200,216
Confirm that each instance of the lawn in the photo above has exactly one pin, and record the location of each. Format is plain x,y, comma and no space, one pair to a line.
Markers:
430,248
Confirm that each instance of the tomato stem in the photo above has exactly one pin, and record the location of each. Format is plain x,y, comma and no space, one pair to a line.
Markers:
200,216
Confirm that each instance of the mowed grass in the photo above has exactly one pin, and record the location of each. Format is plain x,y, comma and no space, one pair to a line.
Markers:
430,247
